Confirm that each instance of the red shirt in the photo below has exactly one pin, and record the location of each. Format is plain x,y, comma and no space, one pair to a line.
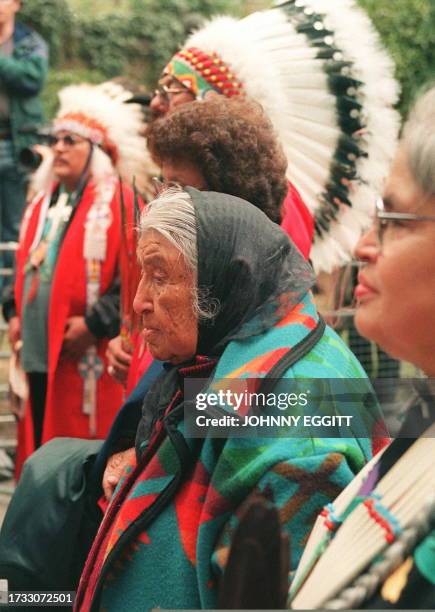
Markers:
297,221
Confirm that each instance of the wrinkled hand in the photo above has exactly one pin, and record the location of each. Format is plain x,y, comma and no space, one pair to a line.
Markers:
119,358
77,339
14,331
114,470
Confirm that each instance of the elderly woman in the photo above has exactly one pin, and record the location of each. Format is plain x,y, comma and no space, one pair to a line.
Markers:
220,145
384,553
223,294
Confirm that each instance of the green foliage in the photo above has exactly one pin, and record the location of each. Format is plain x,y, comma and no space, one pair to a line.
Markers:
57,79
105,42
98,7
54,20
138,42
407,28
99,39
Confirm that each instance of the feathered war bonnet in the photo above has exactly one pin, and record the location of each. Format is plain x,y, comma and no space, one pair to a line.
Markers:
100,114
322,76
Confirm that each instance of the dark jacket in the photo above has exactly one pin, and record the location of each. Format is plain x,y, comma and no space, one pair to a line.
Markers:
22,77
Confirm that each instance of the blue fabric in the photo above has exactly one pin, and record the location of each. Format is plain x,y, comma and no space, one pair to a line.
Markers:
12,200
34,322
34,354
126,421
22,76
188,494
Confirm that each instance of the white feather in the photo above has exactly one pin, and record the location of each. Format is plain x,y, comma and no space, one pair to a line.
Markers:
124,124
279,67
43,177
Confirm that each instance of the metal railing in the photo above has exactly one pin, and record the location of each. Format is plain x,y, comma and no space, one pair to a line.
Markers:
8,441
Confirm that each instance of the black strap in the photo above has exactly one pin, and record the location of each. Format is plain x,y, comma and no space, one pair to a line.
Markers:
292,356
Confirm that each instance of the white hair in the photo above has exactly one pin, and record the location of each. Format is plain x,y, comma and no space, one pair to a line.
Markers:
172,215
419,140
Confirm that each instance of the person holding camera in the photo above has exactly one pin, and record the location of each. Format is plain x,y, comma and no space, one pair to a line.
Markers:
66,303
23,69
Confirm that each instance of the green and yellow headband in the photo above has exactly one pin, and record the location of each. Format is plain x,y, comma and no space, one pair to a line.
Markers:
201,72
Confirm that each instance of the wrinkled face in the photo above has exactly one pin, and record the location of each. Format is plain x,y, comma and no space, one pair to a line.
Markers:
8,10
396,290
70,156
184,173
164,300
169,94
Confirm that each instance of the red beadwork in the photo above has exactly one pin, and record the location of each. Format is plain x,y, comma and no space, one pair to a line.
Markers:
213,69
380,520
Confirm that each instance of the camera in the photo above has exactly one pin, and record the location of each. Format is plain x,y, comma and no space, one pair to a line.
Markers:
28,157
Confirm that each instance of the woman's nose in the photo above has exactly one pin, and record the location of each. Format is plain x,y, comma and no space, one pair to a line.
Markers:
142,302
367,248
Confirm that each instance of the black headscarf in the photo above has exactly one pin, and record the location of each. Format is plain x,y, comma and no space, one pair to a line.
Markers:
248,264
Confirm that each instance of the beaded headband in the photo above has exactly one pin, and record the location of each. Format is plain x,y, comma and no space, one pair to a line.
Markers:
202,72
88,128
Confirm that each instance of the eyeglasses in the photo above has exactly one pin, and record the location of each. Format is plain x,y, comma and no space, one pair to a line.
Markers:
165,91
385,220
68,141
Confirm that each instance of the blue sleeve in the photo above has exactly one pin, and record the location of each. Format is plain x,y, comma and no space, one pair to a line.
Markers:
126,421
26,71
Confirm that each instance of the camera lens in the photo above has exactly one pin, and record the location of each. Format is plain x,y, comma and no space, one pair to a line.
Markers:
29,158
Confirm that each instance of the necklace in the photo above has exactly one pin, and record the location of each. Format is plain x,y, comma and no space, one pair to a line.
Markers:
60,213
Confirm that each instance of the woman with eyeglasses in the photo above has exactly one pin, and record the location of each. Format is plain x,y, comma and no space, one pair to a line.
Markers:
66,304
379,534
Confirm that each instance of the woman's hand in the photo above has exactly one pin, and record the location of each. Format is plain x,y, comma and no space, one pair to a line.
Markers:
14,331
77,339
114,470
119,358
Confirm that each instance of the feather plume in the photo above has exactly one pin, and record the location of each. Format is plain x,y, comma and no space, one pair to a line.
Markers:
318,69
123,123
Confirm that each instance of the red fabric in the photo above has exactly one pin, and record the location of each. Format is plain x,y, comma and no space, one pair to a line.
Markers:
380,437
130,272
297,221
141,361
63,409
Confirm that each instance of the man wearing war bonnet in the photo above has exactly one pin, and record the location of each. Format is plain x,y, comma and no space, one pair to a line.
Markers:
66,291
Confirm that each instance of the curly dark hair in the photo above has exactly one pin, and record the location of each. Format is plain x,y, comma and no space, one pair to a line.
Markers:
232,143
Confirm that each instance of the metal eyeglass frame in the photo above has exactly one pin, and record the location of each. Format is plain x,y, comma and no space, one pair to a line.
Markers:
382,218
